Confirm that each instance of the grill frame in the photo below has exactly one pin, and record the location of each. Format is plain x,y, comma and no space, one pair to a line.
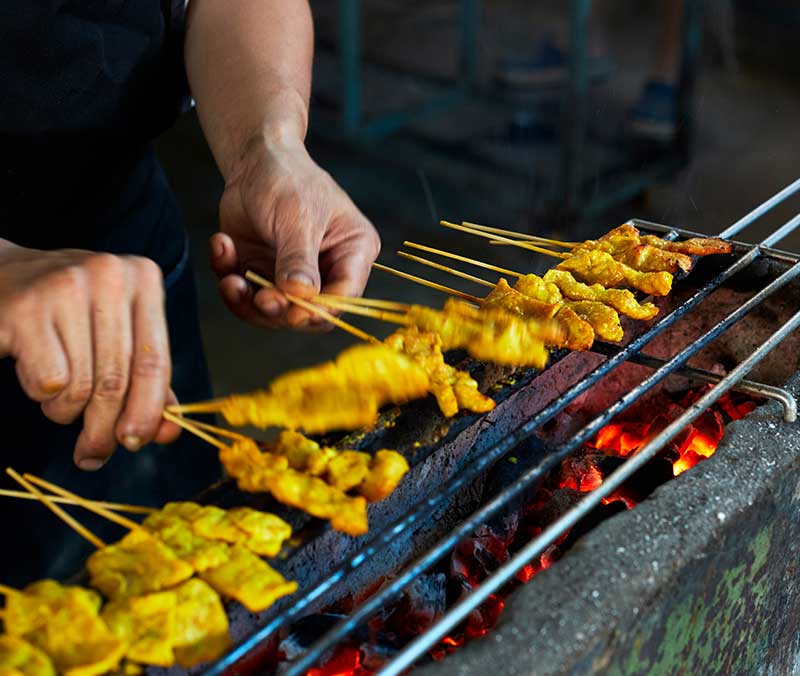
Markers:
746,254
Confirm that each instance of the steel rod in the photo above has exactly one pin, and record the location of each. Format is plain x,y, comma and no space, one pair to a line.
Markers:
760,210
484,513
502,575
785,398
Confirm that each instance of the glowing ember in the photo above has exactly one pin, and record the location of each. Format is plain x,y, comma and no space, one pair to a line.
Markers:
345,661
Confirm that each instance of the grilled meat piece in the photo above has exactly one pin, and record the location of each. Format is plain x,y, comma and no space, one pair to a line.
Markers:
695,246
599,267
20,658
146,625
622,300
603,319
454,390
201,625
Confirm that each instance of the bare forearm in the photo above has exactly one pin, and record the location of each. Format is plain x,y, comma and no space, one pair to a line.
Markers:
249,67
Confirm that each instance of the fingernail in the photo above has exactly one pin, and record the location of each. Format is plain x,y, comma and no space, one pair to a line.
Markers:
132,443
91,464
300,278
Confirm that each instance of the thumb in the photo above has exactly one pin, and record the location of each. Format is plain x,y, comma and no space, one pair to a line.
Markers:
297,261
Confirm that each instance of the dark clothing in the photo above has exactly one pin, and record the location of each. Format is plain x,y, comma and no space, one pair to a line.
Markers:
84,86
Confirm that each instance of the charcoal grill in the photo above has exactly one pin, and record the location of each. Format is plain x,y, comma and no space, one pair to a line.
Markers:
526,408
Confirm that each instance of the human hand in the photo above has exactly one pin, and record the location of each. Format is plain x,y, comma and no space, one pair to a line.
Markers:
284,217
89,336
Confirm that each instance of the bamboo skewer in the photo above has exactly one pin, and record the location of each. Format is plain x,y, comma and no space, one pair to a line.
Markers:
189,426
60,513
85,503
221,431
444,268
117,507
463,259
512,242
425,282
210,406
315,309
366,302
392,317
522,235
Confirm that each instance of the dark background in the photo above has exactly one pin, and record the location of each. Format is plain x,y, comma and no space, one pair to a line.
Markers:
471,162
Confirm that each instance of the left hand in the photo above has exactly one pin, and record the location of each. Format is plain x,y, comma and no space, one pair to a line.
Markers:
284,217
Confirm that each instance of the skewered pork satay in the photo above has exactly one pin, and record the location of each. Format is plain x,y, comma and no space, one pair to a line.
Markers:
599,267
63,622
625,244
454,390
603,319
199,552
20,658
343,394
493,334
256,471
138,564
249,580
622,300
695,246
579,334
201,625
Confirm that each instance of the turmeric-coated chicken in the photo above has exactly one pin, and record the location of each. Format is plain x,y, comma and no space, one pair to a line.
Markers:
139,563
603,319
258,471
625,244
63,622
578,334
146,625
177,534
201,625
491,334
600,267
695,246
622,300
342,394
20,658
454,390
248,579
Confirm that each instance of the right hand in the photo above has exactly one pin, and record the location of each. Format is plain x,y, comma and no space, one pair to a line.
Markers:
89,336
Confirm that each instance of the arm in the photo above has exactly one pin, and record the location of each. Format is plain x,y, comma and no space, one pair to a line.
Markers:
249,67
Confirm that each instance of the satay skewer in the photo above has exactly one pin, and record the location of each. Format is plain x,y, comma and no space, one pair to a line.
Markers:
315,309
190,426
425,282
366,302
512,242
391,317
445,268
117,507
522,235
84,502
463,259
78,527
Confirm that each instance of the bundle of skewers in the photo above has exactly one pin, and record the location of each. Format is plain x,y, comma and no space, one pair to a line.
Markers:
165,580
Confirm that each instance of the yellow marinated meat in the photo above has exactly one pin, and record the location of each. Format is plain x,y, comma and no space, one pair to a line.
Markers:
64,623
201,625
18,657
539,288
177,533
493,334
249,580
347,470
303,454
454,389
262,533
603,319
146,625
695,246
29,609
599,267
314,496
625,244
385,472
213,523
579,334
622,300
139,563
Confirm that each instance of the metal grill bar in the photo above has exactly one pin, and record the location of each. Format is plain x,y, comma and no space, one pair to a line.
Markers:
481,516
425,507
502,575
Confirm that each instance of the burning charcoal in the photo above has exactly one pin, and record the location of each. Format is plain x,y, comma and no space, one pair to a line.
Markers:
304,632
560,501
504,473
593,519
422,603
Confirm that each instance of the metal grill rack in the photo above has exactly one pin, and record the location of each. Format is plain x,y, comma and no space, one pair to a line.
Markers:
746,254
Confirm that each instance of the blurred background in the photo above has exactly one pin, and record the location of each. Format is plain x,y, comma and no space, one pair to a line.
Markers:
554,117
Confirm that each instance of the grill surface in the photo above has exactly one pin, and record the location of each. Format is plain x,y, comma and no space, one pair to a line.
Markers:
489,446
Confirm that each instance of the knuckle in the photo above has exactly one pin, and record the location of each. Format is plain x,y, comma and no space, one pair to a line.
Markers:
111,384
148,270
107,266
79,393
152,363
